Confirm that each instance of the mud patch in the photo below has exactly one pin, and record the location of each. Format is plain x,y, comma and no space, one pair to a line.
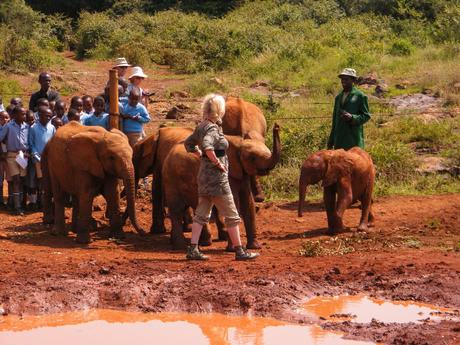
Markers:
362,309
117,327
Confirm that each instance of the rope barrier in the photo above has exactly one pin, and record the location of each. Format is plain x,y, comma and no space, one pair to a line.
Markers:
379,115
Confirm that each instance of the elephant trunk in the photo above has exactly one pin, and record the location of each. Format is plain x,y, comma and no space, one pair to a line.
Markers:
276,152
302,192
129,183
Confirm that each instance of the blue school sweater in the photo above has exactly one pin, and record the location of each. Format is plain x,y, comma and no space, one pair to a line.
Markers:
134,126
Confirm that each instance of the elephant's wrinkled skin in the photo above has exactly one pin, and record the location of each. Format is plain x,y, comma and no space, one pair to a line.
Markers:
348,176
312,171
245,119
83,162
247,157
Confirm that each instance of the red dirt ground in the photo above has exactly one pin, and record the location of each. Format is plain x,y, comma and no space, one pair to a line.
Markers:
40,273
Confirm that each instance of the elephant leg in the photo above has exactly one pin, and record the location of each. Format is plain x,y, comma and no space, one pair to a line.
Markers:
47,199
344,200
221,230
235,186
75,210
176,213
256,189
365,208
188,220
85,206
158,226
112,197
205,236
59,217
330,203
371,218
248,213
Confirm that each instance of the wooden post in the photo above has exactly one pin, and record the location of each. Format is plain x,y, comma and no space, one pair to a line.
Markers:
114,119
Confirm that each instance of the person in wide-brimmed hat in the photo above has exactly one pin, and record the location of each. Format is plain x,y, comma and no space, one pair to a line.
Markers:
121,65
135,80
351,112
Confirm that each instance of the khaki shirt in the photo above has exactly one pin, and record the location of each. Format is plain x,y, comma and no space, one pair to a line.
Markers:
211,180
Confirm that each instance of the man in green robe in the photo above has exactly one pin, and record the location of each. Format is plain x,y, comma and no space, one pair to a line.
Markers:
351,112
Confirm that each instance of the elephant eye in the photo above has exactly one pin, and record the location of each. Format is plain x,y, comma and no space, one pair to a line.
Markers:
112,158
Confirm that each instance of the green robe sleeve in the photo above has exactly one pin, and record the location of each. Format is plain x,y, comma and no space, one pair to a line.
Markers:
363,116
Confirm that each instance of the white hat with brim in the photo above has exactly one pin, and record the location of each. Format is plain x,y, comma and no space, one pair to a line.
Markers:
348,72
121,62
137,72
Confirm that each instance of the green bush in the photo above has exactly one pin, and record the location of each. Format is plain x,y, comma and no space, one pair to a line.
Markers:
94,30
26,37
401,47
9,87
19,53
394,161
447,25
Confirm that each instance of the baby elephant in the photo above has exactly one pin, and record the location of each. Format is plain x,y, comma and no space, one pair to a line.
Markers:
348,176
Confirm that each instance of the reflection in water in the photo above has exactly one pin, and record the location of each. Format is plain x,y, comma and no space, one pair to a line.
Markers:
102,327
363,309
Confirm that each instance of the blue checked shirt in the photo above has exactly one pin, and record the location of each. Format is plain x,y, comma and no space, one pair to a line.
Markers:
16,136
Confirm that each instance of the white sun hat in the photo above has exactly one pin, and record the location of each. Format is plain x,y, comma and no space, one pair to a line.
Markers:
350,72
121,62
137,72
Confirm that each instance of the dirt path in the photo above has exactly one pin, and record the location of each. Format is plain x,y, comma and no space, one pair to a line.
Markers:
407,256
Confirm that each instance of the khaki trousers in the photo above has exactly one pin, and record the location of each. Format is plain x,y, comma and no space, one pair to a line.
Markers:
13,167
225,205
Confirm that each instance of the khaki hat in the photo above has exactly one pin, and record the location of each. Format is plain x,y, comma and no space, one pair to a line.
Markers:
137,72
350,72
121,62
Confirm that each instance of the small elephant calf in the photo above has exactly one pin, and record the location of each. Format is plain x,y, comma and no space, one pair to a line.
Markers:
349,178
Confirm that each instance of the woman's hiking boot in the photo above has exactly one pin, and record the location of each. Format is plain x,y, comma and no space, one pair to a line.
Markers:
193,253
242,254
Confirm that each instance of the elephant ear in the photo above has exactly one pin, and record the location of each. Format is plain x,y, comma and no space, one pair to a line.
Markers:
254,135
340,165
149,146
83,153
144,155
233,153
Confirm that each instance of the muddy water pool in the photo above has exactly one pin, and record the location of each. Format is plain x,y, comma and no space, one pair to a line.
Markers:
362,309
128,328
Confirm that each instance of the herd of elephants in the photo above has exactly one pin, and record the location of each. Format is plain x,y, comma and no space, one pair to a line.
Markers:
87,161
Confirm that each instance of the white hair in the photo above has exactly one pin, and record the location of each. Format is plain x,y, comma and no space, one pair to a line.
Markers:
213,107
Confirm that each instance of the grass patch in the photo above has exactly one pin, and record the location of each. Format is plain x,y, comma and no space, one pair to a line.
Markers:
337,246
412,242
311,249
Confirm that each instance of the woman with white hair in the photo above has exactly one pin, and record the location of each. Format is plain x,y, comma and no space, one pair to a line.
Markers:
208,142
